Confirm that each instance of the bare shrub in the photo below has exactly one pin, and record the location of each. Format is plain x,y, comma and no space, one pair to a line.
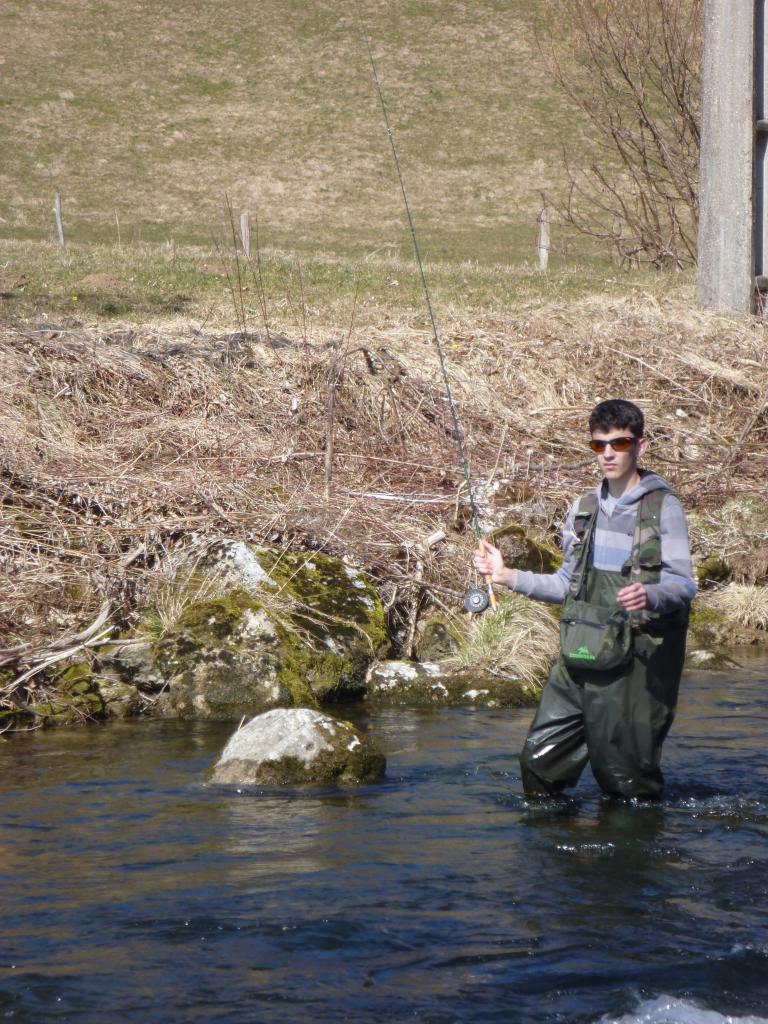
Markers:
634,71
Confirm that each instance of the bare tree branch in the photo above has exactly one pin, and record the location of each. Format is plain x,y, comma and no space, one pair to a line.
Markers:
634,72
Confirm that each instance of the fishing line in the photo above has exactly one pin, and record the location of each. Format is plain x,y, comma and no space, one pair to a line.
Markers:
476,599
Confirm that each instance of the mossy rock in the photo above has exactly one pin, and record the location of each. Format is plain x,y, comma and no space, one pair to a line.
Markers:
423,685
710,629
334,601
75,698
435,638
522,552
131,664
712,570
75,695
329,598
331,622
226,658
289,747
302,631
16,718
121,700
333,605
75,680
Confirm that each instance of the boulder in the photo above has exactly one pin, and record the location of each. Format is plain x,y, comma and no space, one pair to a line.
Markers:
16,718
424,683
269,628
225,658
121,700
710,629
133,664
712,571
293,746
701,658
522,552
435,638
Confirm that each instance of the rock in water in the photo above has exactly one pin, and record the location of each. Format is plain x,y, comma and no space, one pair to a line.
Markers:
425,683
290,746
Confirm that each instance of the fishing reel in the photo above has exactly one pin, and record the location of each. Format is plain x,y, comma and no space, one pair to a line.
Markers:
476,600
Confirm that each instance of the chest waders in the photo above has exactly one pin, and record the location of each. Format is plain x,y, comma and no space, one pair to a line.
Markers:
616,718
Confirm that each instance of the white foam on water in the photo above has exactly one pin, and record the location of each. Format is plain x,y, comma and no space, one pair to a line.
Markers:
670,1010
721,803
748,947
587,849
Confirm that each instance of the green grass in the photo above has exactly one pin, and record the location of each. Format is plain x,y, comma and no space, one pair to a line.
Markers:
150,114
144,283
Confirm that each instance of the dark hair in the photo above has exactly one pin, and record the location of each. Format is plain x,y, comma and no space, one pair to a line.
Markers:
617,412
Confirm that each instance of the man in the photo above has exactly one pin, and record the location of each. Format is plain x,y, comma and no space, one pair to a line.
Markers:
627,584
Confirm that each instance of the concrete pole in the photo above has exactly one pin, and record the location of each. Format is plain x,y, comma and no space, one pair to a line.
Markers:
726,249
761,157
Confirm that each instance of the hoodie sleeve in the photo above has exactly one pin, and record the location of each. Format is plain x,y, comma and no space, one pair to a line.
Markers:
676,587
551,587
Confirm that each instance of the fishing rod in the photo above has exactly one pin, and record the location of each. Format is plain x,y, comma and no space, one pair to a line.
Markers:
476,600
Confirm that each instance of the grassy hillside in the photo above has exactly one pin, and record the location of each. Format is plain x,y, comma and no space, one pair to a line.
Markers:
146,115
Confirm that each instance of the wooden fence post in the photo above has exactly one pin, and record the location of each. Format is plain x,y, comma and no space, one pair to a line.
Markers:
245,235
57,219
543,221
330,405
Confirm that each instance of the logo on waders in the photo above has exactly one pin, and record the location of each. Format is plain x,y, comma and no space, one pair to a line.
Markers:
583,654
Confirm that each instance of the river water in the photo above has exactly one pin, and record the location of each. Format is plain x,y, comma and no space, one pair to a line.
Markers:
131,891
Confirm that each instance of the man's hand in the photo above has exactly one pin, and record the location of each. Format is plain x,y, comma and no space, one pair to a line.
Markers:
632,598
489,562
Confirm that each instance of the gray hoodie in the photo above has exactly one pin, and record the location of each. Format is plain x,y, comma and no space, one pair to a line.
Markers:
614,534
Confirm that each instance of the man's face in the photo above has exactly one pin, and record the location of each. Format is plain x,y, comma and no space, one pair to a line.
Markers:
618,465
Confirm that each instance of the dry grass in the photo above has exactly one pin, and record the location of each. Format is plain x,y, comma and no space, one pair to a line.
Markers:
120,441
172,590
520,641
745,604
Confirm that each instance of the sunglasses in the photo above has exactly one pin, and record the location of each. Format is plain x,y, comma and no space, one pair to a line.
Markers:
619,444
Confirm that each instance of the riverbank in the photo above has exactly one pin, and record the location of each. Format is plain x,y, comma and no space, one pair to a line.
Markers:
125,438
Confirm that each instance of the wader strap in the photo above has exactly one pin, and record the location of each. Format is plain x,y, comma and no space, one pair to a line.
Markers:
583,527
